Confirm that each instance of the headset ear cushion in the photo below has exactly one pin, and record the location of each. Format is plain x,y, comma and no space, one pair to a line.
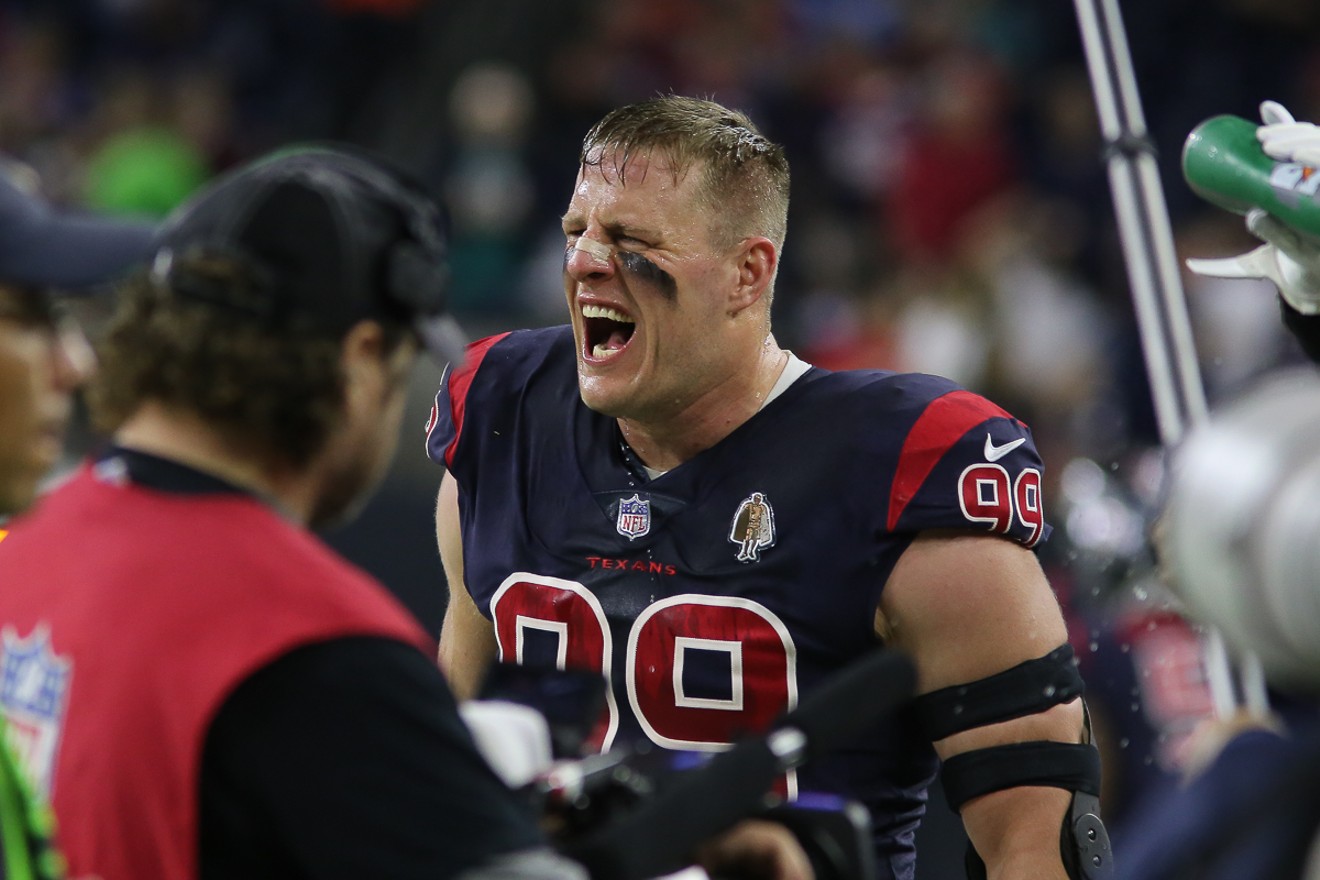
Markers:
417,279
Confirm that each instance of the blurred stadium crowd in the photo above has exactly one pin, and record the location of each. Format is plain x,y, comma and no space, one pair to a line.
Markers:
950,209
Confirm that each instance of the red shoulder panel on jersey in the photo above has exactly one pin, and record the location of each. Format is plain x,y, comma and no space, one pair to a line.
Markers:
946,419
459,382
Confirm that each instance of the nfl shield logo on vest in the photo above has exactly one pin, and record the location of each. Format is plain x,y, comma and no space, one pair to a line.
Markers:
34,689
634,517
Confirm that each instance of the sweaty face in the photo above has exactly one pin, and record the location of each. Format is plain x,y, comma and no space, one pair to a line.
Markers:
42,362
646,289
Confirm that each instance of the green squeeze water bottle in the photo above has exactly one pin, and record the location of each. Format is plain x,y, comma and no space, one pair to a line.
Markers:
1225,165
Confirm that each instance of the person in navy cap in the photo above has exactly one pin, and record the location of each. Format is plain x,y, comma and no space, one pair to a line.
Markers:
43,359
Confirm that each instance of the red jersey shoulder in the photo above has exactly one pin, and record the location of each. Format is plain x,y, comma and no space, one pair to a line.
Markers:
492,377
445,422
962,462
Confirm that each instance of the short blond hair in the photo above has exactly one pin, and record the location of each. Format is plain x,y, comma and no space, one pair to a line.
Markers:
745,177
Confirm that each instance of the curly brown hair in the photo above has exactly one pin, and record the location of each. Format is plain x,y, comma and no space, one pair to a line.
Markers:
271,392
745,175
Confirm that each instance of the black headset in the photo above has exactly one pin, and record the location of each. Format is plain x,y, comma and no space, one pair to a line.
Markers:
413,279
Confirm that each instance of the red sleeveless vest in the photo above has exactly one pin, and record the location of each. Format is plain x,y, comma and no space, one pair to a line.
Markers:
127,616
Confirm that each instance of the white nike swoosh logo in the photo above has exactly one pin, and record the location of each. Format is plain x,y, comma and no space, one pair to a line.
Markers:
994,453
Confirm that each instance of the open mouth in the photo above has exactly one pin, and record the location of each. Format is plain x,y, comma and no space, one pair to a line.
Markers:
606,331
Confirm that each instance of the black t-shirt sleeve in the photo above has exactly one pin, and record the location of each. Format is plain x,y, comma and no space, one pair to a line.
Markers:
349,759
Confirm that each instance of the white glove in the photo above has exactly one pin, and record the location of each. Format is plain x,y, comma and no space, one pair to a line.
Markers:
1288,259
1285,139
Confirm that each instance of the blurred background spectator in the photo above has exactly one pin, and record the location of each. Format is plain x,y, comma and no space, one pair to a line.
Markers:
950,214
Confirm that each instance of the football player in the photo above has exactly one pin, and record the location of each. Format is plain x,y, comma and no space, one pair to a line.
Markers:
659,492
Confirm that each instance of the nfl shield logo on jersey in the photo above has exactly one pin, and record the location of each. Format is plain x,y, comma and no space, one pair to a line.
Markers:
34,688
634,517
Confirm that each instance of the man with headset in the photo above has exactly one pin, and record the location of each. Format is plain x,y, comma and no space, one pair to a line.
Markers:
209,691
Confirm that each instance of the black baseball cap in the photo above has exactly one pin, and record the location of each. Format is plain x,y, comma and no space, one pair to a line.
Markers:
327,237
43,247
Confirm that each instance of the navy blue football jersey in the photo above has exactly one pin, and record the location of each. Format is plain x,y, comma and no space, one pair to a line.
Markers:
716,594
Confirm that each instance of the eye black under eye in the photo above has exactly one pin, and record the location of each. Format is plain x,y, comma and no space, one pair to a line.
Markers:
643,268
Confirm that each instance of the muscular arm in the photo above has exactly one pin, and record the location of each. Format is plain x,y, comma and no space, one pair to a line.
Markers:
467,640
969,606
